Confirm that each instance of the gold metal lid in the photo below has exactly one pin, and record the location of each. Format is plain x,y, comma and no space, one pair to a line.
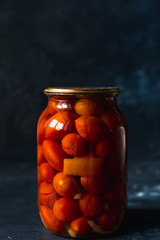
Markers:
82,90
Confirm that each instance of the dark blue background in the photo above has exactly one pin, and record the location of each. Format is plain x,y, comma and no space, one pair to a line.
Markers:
79,43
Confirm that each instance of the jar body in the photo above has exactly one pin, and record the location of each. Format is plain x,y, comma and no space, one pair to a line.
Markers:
82,165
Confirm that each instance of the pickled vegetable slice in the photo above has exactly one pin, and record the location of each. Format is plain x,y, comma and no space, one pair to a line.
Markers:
83,166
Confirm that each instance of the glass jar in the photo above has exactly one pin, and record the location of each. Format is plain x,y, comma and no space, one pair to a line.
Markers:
82,162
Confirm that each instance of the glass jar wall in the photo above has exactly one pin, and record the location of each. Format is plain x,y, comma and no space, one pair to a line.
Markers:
82,162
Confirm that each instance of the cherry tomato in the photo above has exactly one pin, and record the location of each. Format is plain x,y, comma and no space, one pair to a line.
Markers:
64,185
59,125
50,220
51,107
91,128
46,194
47,172
116,196
91,204
112,118
108,148
110,218
41,126
99,184
73,144
80,225
88,107
65,209
54,154
40,156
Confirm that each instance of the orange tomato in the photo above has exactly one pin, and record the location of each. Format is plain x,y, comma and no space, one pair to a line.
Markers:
51,107
80,225
99,184
59,125
88,107
110,218
46,194
47,172
50,220
40,156
41,126
65,209
64,185
54,154
91,128
111,118
73,144
116,196
91,204
108,148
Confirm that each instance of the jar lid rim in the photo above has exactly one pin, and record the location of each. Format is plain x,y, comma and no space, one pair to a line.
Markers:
81,90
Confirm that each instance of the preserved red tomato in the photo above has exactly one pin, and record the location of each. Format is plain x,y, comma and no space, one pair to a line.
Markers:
46,194
64,185
40,156
80,226
82,162
108,148
112,118
59,125
99,184
74,145
50,220
91,204
110,218
46,172
91,128
65,209
51,107
88,107
41,126
54,154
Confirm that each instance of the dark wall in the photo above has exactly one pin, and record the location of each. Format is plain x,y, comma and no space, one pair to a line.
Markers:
79,43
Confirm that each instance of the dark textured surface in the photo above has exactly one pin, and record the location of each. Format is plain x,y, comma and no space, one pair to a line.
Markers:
19,218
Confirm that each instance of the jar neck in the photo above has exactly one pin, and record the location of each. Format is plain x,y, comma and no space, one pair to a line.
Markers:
97,98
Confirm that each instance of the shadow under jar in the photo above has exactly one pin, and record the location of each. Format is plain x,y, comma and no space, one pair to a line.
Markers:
82,162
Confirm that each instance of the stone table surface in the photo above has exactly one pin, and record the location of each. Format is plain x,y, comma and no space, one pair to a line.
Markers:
19,218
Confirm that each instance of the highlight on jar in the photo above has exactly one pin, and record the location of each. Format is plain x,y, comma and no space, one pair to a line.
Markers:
82,162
